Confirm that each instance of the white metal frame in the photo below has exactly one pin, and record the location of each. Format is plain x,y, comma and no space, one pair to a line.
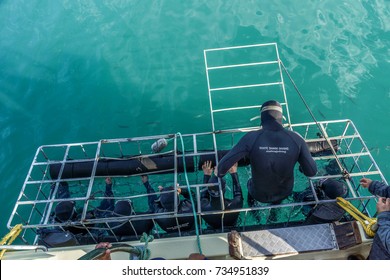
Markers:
36,195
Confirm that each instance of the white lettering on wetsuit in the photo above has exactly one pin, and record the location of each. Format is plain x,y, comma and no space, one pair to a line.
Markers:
274,149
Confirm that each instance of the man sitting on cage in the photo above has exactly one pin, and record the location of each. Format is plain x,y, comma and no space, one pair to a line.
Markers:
273,152
211,197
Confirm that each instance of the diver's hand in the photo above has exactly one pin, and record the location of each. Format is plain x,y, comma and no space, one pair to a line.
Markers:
207,169
365,182
144,178
233,169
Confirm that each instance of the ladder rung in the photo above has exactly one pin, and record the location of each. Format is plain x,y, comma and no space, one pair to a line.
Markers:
246,86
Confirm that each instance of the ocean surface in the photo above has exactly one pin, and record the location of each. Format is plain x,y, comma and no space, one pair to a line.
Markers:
84,70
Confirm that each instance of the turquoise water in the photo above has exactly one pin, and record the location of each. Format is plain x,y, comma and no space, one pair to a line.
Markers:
75,71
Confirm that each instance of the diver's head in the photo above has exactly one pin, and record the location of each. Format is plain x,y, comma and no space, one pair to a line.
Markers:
167,198
271,110
64,211
123,207
213,190
334,188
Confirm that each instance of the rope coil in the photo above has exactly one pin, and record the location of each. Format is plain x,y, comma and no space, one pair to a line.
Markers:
142,254
369,224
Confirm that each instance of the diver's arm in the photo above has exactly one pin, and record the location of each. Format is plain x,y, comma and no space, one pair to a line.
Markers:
237,192
206,178
152,193
215,193
107,204
379,188
306,161
239,151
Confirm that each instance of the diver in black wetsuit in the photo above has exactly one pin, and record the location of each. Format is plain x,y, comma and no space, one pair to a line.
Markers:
65,211
165,203
273,152
327,212
211,200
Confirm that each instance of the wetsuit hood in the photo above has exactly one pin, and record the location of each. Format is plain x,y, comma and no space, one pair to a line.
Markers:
214,190
167,198
271,111
271,124
123,207
64,211
333,188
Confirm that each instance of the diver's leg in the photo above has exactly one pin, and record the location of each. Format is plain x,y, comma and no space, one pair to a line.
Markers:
237,200
250,199
251,203
107,204
273,215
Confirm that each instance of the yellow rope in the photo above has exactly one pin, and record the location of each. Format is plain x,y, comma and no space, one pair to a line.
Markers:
369,224
10,237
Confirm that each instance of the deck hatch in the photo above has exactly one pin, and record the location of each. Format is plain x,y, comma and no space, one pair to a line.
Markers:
282,241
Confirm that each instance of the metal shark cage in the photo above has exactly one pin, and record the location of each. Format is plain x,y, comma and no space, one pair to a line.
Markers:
238,80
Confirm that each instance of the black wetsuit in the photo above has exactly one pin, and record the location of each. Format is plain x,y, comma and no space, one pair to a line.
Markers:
108,208
168,223
273,152
124,208
212,202
66,210
152,197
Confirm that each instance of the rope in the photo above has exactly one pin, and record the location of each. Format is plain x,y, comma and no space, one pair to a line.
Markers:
369,224
119,247
343,170
192,199
142,254
10,237
145,254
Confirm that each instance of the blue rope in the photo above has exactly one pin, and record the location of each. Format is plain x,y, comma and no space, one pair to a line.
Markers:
192,199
